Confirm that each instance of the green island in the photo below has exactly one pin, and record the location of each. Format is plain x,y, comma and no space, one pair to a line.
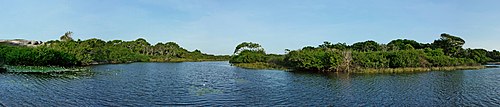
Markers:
397,56
68,54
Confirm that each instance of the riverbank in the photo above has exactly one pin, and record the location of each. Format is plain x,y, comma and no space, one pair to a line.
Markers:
493,63
186,60
260,65
41,69
414,69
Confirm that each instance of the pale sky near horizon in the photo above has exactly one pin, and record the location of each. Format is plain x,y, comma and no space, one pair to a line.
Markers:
217,26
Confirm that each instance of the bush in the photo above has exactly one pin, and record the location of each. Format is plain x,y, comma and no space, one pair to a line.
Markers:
370,59
314,59
36,56
407,58
248,56
437,58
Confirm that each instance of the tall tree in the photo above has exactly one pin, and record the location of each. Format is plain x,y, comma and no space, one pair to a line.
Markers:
450,44
248,46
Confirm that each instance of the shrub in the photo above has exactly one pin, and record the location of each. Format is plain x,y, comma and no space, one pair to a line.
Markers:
407,58
314,59
370,59
36,56
248,56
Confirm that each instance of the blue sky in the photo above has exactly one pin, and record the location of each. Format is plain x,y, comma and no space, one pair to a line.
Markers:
217,26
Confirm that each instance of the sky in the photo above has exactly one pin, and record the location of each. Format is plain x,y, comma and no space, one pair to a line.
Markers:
217,26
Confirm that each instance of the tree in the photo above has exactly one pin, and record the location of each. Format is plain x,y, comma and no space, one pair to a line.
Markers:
366,46
248,46
249,56
451,45
339,46
494,55
67,36
248,52
326,44
400,44
478,55
314,59
141,45
408,47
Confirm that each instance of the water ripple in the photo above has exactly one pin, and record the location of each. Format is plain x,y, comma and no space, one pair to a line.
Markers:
218,84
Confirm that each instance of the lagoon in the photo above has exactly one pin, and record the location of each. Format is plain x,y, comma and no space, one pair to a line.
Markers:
219,83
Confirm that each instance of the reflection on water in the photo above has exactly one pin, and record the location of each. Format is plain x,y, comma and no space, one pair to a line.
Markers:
217,83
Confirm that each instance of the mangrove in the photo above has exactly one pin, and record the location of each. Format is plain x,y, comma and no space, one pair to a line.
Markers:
68,52
400,55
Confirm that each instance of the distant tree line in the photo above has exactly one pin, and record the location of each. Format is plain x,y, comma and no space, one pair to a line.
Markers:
68,52
399,53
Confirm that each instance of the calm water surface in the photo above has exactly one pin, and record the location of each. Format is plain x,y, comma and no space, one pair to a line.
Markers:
218,83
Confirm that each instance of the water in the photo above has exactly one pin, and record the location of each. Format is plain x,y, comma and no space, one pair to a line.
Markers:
218,83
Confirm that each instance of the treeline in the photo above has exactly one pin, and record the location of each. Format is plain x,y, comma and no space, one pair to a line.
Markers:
401,53
70,52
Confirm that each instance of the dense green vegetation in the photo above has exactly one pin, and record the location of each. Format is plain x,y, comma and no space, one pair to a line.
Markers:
2,69
68,52
36,56
444,53
252,55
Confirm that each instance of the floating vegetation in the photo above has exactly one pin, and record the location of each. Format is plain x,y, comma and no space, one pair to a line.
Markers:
49,72
42,69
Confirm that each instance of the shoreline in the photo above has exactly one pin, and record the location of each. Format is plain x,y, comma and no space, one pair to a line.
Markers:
152,60
267,66
260,65
415,69
41,69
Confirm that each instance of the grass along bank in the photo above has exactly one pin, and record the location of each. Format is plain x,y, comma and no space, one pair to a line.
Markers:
414,69
260,65
42,69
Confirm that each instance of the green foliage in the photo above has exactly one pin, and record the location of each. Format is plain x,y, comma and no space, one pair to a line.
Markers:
339,46
407,58
248,56
366,46
494,55
478,55
370,59
248,52
437,58
2,57
404,44
248,46
36,56
451,45
408,47
445,53
95,51
314,59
